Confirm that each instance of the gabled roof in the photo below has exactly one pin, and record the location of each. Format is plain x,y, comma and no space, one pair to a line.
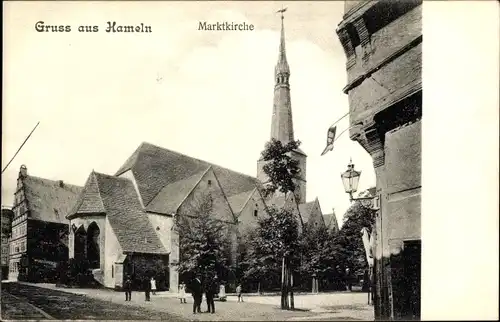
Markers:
239,201
169,199
119,199
156,167
307,210
289,202
49,200
331,221
89,200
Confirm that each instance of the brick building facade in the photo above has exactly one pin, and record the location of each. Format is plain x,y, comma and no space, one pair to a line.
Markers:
382,41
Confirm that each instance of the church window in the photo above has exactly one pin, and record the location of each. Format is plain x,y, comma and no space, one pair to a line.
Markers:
255,212
209,182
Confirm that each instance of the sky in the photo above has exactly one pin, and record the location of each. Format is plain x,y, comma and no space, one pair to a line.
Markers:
207,94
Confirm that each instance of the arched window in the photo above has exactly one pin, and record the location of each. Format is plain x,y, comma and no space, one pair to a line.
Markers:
93,249
80,243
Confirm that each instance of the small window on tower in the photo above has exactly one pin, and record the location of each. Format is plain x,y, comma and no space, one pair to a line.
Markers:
209,182
255,212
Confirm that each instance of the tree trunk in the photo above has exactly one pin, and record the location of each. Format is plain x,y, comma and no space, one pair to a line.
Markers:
287,278
283,294
292,304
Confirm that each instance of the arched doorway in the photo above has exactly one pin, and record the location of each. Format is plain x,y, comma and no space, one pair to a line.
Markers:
80,244
93,250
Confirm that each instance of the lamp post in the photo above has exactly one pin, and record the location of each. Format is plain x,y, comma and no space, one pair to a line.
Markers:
350,179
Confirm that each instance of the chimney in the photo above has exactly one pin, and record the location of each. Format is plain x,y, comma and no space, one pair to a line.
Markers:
61,183
23,172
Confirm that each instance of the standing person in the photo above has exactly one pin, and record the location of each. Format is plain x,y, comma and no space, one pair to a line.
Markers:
197,291
153,285
182,293
147,288
348,279
238,292
210,291
127,287
222,292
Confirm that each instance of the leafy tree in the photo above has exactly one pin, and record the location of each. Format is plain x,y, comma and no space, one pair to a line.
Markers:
275,240
316,242
348,246
281,169
204,245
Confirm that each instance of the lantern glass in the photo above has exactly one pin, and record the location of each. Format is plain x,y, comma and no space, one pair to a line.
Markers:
350,179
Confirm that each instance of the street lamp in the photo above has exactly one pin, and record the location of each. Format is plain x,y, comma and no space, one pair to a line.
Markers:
350,179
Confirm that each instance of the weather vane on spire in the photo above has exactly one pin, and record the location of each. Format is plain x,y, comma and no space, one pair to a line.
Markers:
282,10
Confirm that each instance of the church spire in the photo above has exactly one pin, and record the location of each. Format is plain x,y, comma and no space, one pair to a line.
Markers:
282,65
282,124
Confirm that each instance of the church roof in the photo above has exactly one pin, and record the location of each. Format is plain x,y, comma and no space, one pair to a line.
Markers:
155,168
120,202
331,221
169,199
306,209
238,201
49,200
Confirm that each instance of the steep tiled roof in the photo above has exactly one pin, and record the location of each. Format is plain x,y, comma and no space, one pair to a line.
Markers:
50,200
237,202
331,221
156,167
119,200
168,200
89,200
306,209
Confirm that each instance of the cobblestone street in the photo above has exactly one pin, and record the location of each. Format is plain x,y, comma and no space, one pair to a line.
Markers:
102,303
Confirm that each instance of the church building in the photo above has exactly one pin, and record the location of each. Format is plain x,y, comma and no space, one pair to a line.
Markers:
123,223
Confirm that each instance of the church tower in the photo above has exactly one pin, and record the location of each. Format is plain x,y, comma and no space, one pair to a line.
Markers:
282,122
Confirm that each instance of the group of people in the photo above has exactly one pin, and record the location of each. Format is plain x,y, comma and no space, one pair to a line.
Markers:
209,287
148,285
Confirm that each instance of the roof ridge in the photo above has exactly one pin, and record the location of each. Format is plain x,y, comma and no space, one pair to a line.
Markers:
51,180
98,189
224,195
197,159
248,199
194,175
194,186
126,166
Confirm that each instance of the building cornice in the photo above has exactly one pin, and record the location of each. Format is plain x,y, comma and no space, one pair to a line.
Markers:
361,78
356,12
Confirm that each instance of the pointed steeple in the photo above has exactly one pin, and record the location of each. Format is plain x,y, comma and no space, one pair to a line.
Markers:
282,124
282,65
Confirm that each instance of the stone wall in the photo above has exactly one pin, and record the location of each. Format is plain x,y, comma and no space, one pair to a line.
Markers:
113,253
